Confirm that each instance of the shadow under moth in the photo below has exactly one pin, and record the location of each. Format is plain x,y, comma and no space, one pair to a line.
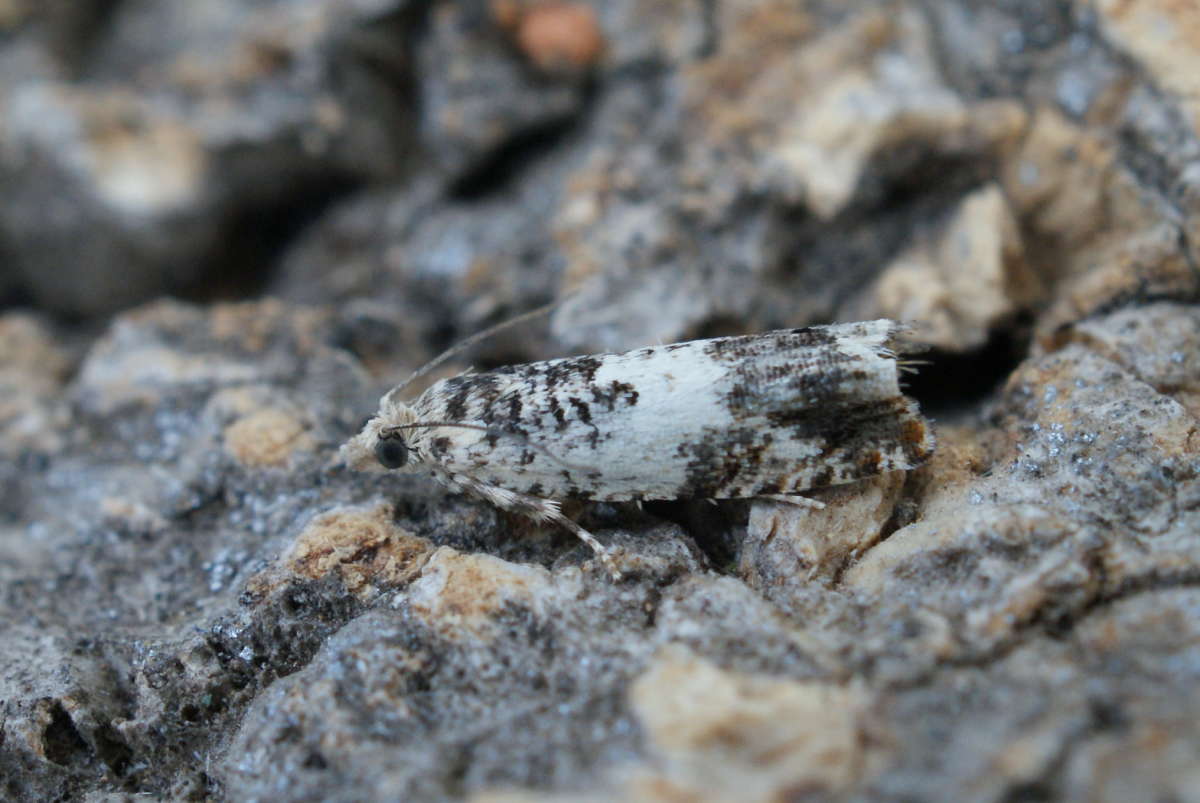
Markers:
768,415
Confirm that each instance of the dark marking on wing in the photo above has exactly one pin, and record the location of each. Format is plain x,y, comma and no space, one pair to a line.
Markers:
464,392
560,415
716,461
851,442
870,462
456,401
813,336
582,411
915,438
746,347
515,406
570,371
758,389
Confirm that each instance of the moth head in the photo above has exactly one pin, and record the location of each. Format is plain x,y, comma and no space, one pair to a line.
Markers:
391,450
383,443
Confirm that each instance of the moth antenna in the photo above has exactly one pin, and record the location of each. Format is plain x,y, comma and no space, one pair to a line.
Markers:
466,343
493,431
911,367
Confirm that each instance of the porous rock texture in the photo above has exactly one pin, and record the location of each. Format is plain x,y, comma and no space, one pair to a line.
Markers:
198,603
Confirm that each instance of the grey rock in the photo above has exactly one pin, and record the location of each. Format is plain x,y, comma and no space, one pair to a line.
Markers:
181,125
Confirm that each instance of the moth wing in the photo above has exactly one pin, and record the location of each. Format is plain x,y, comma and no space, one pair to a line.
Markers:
781,412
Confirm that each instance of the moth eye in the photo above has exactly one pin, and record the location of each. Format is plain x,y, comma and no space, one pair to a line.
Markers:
391,452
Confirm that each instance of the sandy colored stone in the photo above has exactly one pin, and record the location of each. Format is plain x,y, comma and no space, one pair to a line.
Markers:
138,360
820,108
1151,263
942,487
1164,35
142,163
133,514
250,326
33,369
167,347
788,541
29,353
799,107
462,593
665,238
174,138
364,548
267,438
1097,236
1059,178
726,736
962,281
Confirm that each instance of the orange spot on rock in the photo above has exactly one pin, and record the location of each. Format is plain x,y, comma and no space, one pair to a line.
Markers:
557,36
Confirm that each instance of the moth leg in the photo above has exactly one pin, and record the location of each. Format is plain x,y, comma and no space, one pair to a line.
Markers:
602,552
539,509
799,501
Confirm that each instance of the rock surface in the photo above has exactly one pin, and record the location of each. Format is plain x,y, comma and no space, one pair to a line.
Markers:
200,604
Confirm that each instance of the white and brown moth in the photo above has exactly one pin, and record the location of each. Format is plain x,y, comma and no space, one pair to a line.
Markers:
774,414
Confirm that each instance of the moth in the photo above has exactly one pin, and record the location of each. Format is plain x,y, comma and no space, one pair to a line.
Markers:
767,415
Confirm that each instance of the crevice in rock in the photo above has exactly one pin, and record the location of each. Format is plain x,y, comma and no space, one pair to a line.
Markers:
112,749
1133,587
911,194
72,41
717,530
711,42
1038,626
256,235
497,170
1103,716
61,739
951,382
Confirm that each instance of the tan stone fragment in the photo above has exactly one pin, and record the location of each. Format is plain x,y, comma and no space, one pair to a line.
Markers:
267,438
813,113
32,371
726,736
1096,235
363,547
1059,177
961,282
139,359
1150,263
1164,35
460,594
785,541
